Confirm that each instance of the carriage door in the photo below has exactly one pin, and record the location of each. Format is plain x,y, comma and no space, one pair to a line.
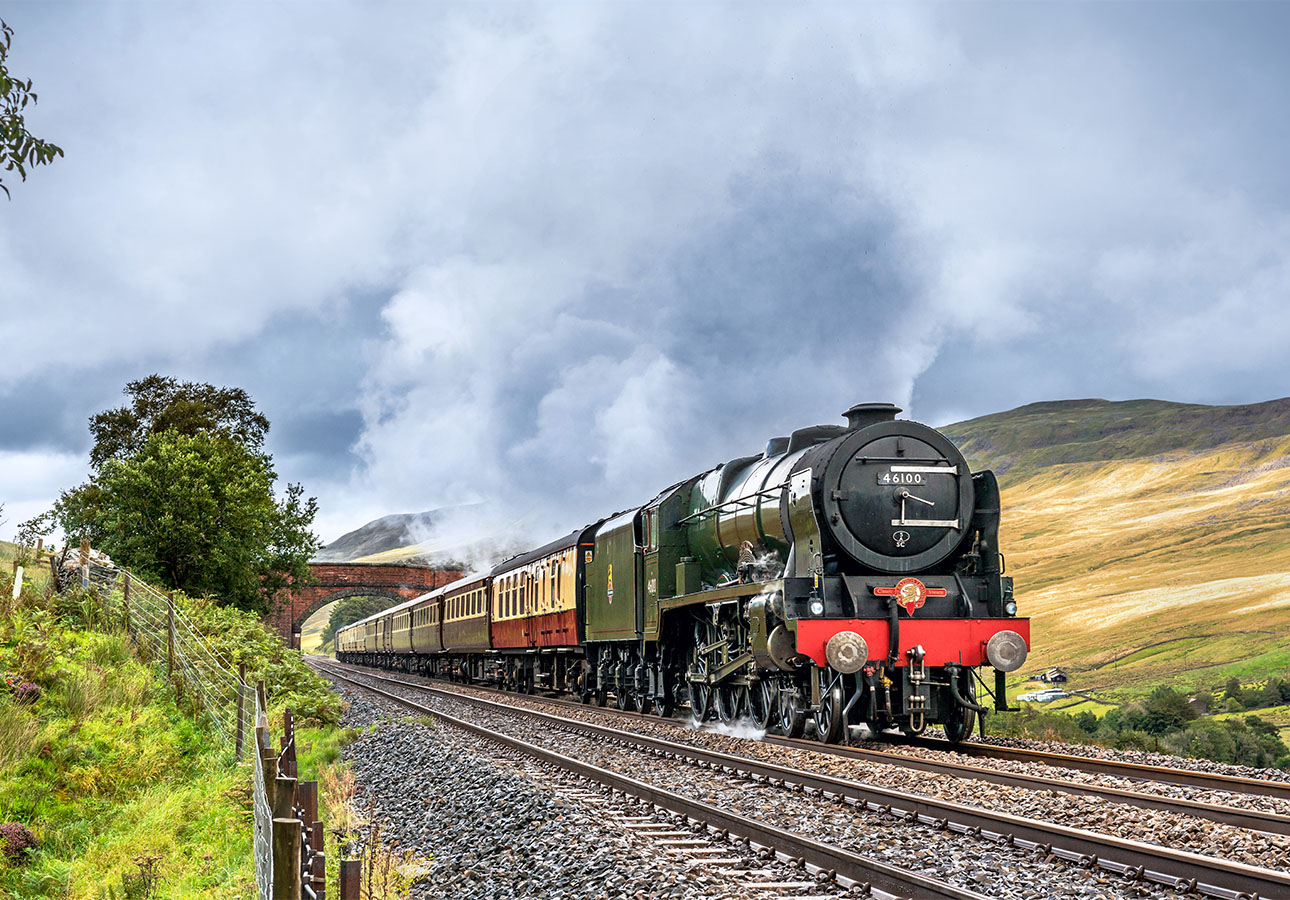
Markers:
649,542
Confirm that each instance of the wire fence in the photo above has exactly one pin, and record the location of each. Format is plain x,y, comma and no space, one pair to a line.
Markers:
263,810
288,838
161,632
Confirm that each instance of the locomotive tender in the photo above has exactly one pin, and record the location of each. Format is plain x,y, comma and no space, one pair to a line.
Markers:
846,575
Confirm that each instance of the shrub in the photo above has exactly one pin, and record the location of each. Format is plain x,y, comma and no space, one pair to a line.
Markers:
1087,722
1167,710
17,840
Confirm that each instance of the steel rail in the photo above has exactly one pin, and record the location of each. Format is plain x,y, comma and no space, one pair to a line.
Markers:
1214,781
882,880
1255,820
1181,870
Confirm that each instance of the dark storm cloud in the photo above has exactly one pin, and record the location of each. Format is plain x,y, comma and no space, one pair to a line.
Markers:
558,255
40,412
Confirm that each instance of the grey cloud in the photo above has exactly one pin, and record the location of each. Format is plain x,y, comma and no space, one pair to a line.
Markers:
556,255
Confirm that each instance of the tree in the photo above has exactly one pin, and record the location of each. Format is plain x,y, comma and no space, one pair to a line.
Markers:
198,512
352,609
183,491
19,149
161,403
1167,710
1087,721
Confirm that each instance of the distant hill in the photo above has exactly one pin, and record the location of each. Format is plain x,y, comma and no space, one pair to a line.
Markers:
1029,438
379,536
465,537
1150,541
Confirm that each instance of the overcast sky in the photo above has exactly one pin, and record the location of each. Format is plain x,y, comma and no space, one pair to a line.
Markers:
557,256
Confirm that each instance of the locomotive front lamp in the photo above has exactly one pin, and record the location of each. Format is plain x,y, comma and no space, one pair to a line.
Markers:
816,607
846,652
1010,607
1006,651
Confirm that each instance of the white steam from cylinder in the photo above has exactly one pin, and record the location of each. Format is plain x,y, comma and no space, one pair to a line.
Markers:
846,652
1006,651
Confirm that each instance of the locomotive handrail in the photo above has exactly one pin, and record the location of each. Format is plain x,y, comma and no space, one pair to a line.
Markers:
765,492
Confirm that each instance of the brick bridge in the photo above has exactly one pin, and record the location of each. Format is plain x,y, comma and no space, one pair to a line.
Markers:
338,580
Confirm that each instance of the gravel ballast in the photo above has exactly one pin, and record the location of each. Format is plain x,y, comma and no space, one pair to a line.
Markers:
979,865
494,824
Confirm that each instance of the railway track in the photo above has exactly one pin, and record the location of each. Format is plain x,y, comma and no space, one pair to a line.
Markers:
1254,820
1173,868
875,878
1215,781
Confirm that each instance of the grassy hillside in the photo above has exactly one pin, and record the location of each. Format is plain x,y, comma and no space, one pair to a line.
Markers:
119,781
1150,541
1031,438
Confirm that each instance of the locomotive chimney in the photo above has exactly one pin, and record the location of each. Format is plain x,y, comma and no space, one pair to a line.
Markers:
862,415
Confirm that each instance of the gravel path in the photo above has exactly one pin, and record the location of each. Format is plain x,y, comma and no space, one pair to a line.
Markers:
498,825
976,864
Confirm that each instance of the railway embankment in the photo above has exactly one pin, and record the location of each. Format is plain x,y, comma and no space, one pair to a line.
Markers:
126,787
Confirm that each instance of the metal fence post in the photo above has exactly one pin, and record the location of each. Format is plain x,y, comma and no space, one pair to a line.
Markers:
307,792
351,878
318,875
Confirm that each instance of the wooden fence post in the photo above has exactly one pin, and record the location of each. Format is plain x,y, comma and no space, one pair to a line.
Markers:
263,696
351,878
284,798
269,768
125,601
289,743
241,704
286,859
170,636
85,564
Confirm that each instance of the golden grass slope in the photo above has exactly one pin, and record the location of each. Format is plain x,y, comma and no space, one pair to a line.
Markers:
1172,568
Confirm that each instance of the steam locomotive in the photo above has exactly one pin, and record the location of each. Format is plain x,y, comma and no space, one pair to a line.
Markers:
845,575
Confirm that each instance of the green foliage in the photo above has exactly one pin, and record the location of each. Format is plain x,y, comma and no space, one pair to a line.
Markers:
199,513
128,791
350,610
183,493
1167,710
240,637
1161,725
1087,722
19,149
161,403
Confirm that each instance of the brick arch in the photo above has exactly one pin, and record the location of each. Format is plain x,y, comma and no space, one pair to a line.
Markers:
347,592
333,581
